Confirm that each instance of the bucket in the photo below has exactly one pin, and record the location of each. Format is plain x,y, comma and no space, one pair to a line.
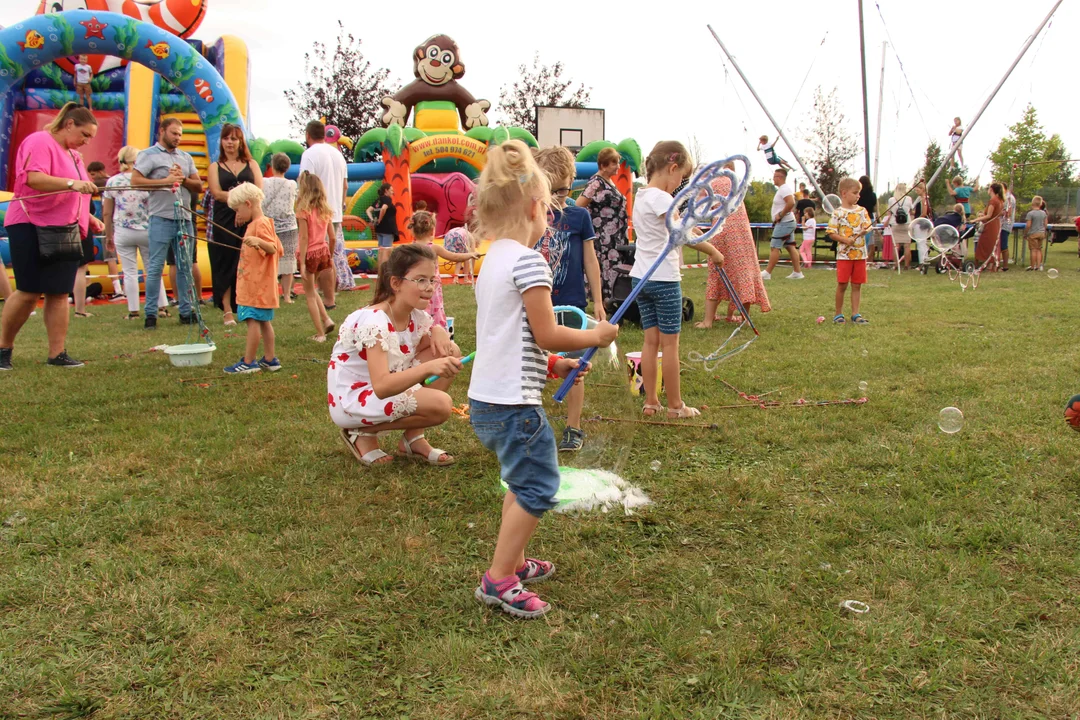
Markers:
193,355
450,327
633,373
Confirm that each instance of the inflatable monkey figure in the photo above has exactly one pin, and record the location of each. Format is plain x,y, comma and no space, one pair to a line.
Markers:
435,92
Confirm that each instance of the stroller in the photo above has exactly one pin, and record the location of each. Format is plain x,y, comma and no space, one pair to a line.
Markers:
955,258
622,286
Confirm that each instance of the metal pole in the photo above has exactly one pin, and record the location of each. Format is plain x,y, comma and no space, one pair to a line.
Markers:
880,103
994,92
865,107
779,130
1012,188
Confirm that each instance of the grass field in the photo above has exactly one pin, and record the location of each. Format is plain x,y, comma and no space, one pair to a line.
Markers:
177,551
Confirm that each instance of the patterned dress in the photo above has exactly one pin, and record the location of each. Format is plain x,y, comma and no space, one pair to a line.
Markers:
736,243
607,207
351,399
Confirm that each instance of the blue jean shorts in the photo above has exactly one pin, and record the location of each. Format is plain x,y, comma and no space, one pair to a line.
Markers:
660,305
783,234
246,312
386,240
1004,239
521,438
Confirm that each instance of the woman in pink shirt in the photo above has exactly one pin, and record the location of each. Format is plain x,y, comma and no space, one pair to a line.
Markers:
47,162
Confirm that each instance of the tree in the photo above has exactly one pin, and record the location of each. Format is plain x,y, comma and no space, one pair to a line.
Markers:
539,85
344,88
1027,143
758,201
832,145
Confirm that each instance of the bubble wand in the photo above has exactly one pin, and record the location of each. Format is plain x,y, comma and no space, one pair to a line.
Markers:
704,206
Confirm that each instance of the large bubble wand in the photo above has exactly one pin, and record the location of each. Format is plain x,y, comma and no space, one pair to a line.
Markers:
704,206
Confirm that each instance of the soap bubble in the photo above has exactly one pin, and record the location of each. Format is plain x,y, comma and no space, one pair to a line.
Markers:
950,420
832,202
1052,273
921,229
863,386
945,237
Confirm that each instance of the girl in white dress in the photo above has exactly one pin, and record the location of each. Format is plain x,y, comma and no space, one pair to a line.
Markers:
383,354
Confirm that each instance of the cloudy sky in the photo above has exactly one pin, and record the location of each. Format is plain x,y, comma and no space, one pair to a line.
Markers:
659,75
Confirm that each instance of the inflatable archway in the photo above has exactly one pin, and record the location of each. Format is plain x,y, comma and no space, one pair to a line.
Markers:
42,39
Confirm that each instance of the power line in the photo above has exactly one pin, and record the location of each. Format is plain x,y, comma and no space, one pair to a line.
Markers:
903,71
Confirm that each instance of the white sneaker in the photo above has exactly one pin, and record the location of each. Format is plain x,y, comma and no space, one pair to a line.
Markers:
765,275
796,276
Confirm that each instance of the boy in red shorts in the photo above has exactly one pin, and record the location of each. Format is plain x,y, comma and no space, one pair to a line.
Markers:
848,227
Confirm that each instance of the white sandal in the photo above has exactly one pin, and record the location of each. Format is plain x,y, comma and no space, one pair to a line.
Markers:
369,458
682,413
432,457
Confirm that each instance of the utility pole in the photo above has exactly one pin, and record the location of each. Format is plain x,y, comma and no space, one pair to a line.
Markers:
880,102
865,106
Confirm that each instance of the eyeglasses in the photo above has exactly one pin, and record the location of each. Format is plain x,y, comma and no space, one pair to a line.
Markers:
422,283
564,191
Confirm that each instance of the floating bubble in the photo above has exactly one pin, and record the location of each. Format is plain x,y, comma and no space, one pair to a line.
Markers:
832,202
945,237
655,466
921,229
863,386
1052,273
950,420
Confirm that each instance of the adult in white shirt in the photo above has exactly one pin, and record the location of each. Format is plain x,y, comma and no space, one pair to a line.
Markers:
784,225
1008,218
328,164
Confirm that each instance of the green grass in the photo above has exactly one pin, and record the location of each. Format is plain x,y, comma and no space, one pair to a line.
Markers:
174,551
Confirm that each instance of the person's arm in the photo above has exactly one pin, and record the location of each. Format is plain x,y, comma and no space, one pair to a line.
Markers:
453,256
331,237
193,183
557,338
387,384
176,175
583,202
344,194
707,248
302,237
257,172
107,207
382,214
216,192
789,205
43,182
592,272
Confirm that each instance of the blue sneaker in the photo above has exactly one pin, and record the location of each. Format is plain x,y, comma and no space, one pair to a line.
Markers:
270,365
242,367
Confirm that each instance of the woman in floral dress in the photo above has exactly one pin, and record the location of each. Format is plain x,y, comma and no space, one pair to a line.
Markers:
736,242
607,206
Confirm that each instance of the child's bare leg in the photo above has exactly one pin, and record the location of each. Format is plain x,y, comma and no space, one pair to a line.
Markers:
670,345
841,288
251,345
856,296
515,532
648,365
469,270
269,348
710,313
575,401
314,305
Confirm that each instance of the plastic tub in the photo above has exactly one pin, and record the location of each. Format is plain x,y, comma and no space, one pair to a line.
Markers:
192,355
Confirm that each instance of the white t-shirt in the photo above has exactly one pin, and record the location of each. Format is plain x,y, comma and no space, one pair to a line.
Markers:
779,200
510,368
908,206
328,164
651,206
809,232
82,74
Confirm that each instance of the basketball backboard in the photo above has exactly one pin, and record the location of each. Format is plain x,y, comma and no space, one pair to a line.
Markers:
573,128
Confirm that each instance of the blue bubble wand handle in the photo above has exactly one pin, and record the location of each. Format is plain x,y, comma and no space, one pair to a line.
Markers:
704,206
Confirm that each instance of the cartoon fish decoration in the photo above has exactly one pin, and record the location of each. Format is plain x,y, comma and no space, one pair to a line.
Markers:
34,40
203,88
179,17
161,49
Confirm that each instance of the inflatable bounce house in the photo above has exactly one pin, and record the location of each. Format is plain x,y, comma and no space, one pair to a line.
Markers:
146,68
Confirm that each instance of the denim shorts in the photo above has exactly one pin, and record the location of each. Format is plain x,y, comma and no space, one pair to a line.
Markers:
521,438
1004,239
660,305
783,234
246,312
386,240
